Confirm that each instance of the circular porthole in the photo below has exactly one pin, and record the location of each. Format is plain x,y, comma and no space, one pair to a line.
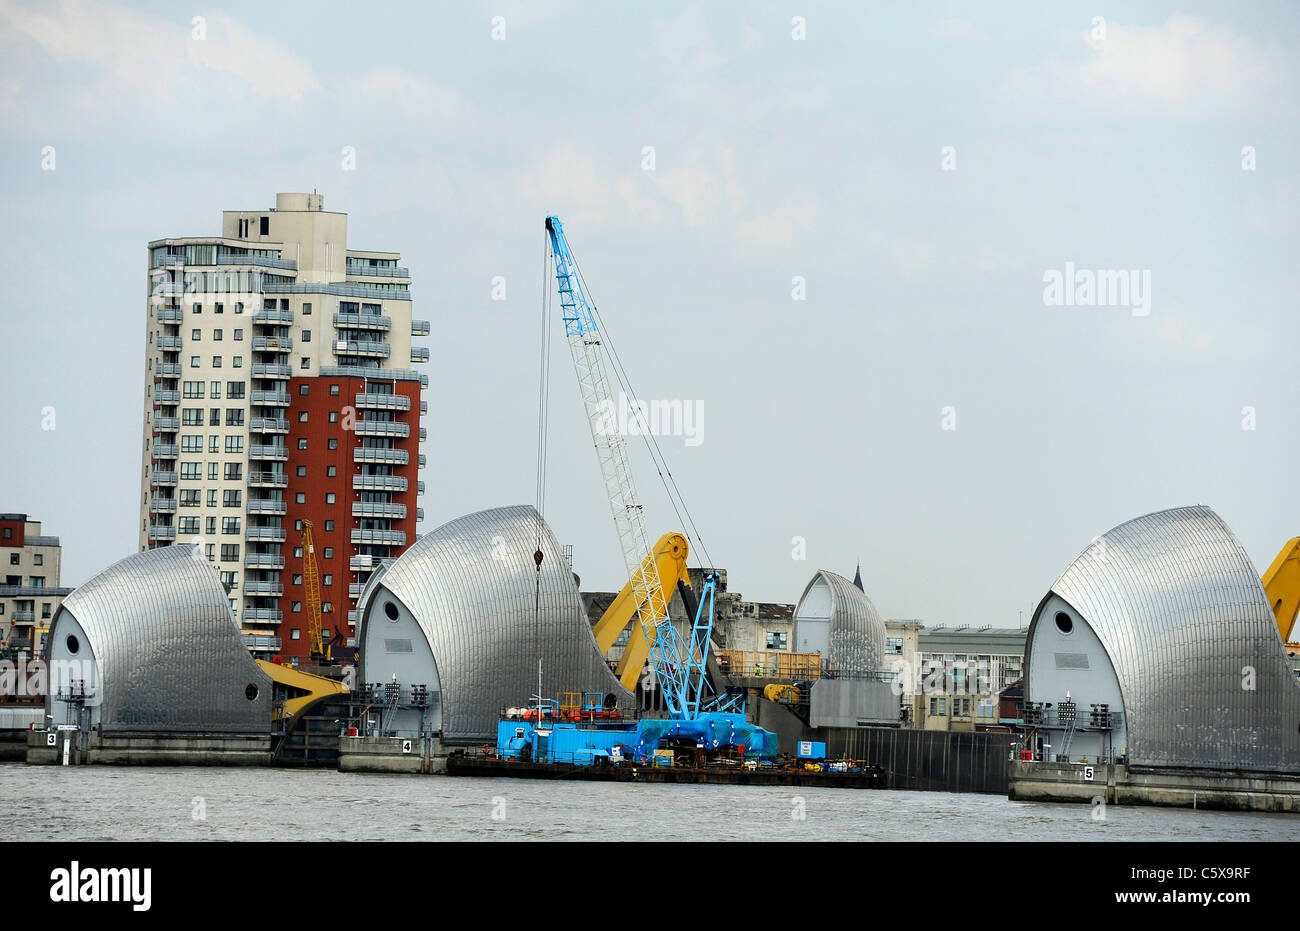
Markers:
73,643
391,610
251,692
1063,622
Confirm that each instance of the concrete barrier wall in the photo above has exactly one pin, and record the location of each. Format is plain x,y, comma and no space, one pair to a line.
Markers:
1179,788
937,761
151,749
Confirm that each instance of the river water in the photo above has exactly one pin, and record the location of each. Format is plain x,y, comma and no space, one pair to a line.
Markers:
92,803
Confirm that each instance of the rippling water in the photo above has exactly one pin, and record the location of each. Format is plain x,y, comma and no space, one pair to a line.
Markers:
153,803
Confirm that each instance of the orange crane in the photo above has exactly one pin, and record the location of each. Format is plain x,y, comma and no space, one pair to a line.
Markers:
311,584
1282,585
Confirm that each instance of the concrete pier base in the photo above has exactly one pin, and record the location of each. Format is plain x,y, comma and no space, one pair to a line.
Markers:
144,749
392,755
1117,784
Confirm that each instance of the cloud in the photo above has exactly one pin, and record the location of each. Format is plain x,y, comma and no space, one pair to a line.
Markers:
269,70
776,229
959,30
1188,68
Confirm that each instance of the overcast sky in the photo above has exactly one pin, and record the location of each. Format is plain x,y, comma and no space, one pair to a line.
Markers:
921,170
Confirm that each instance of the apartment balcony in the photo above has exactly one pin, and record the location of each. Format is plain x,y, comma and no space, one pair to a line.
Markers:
166,396
171,315
419,513
378,509
167,370
419,488
424,407
379,537
166,424
383,402
276,453
381,456
270,398
363,322
265,534
263,561
420,328
159,477
166,451
377,271
268,480
162,505
271,370
273,343
353,618
24,617
263,614
382,428
419,353
267,425
168,342
161,532
378,483
266,506
354,589
273,317
343,347
262,643
365,563
274,589
423,461
230,258
424,434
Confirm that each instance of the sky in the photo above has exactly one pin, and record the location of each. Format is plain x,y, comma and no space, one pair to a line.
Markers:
829,230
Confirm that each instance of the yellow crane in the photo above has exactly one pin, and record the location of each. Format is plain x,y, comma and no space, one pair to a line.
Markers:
1282,586
669,556
311,585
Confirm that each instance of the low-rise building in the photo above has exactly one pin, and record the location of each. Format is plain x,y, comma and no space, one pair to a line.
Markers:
30,595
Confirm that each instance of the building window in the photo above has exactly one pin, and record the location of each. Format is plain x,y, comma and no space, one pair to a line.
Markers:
214,417
234,471
331,471
219,309
297,578
327,580
214,446
234,444
235,389
306,363
196,308
216,391
297,552
230,552
211,524
196,335
187,524
192,443
329,526
216,334
13,557
230,498
230,525
192,471
216,362
237,362
194,362
334,391
776,641
306,336
212,470
300,498
329,497
234,416
328,552
894,645
294,632
302,471
265,226
334,416
296,607
38,559
303,389
192,417
302,443
297,525
45,609
332,444
189,497
306,310
302,416
239,334
193,389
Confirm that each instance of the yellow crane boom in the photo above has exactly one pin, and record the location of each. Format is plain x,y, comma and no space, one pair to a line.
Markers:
1282,586
669,555
311,585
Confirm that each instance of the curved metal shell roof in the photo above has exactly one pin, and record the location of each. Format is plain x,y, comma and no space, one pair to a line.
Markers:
1180,610
857,631
471,584
169,653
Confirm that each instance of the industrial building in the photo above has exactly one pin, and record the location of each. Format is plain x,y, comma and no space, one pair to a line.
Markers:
279,391
1156,655
30,595
452,631
148,646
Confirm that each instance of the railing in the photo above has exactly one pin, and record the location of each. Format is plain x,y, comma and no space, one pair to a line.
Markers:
271,370
419,353
368,563
167,368
268,316
262,642
263,614
378,483
338,289
273,343
158,477
363,321
362,371
170,315
378,509
24,617
366,454
770,664
344,347
272,479
166,396
162,505
263,561
32,591
380,537
392,402
268,452
382,428
264,588
266,506
354,589
159,532
419,488
273,534
268,425
165,451
420,328
382,271
169,342
230,258
166,424
271,398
